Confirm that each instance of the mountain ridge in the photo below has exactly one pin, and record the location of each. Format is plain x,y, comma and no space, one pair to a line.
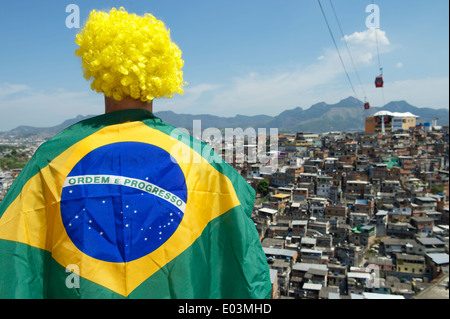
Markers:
346,115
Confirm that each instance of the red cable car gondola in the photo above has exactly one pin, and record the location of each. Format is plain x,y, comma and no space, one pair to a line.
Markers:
379,81
367,106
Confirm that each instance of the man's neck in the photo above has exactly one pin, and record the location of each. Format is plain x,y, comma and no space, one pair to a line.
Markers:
128,103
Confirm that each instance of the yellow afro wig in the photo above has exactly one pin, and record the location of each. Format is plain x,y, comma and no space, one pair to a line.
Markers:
128,55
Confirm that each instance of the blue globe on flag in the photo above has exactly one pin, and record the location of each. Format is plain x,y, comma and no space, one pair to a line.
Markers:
123,201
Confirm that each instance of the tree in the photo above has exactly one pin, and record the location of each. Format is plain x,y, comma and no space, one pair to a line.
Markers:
436,189
263,187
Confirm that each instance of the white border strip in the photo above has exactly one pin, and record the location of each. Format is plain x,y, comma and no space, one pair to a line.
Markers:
143,186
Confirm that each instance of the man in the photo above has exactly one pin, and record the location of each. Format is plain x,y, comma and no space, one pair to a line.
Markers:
111,208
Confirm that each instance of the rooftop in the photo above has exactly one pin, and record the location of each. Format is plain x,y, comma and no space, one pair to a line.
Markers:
309,286
403,256
373,295
435,291
281,196
310,251
426,199
281,252
308,240
430,241
359,275
299,222
439,258
306,266
268,210
395,114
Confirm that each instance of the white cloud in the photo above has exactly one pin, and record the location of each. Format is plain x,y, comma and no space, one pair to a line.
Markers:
186,103
23,105
368,38
8,89
366,45
399,65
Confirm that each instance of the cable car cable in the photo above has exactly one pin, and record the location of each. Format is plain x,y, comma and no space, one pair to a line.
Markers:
349,53
378,50
339,54
379,61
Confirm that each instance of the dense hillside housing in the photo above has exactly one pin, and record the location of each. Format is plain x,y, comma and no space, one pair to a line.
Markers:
367,214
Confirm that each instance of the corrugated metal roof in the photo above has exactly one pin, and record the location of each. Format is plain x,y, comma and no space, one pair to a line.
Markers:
439,258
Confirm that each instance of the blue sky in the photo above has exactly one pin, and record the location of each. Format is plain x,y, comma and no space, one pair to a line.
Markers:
241,57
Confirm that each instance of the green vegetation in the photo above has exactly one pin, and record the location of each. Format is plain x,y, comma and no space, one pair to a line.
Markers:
263,187
12,157
261,200
436,189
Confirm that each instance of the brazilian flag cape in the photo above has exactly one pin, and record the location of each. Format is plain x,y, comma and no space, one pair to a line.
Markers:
124,206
